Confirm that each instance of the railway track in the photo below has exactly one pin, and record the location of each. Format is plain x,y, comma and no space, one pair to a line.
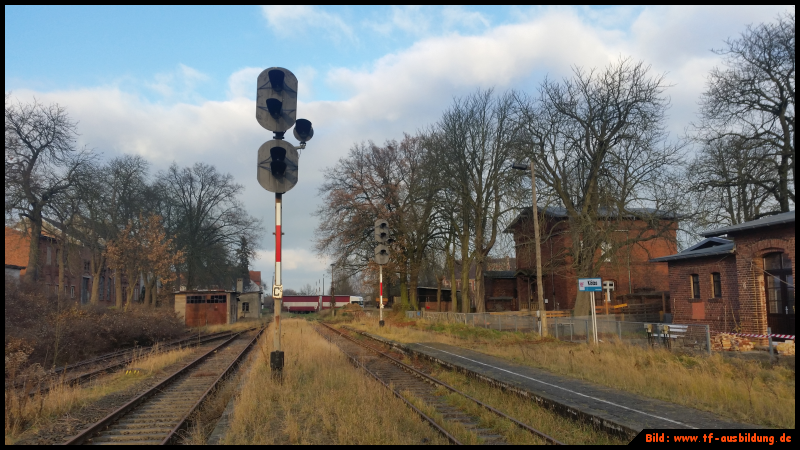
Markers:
159,414
92,368
404,379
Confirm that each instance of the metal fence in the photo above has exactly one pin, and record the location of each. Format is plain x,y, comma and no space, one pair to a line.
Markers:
579,329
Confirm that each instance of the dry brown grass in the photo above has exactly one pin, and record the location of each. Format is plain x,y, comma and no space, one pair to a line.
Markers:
24,412
323,399
524,410
742,390
241,325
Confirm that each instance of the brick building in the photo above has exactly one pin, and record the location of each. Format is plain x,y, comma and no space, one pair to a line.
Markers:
206,307
499,281
629,266
77,276
742,282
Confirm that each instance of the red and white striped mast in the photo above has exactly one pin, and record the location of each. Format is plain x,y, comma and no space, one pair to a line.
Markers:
278,301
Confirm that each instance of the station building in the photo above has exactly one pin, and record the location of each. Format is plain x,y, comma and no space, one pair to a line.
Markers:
740,278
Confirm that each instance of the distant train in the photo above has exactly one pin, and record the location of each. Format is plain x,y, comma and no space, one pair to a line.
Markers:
313,303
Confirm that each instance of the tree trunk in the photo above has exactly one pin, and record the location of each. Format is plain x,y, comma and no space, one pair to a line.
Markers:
451,270
32,270
131,291
465,263
118,288
404,294
147,291
480,303
413,288
439,281
97,269
62,259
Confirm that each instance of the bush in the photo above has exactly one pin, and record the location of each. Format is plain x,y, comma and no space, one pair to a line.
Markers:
68,332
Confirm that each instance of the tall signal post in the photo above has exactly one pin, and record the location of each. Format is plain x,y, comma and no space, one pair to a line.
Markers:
278,160
381,255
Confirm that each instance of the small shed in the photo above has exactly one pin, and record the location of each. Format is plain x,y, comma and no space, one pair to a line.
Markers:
206,307
249,298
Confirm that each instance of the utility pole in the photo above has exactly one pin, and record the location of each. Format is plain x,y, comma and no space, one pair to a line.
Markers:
333,297
535,208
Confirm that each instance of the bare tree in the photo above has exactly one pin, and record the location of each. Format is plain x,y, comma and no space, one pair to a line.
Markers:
475,141
601,151
41,164
201,208
391,182
722,177
750,102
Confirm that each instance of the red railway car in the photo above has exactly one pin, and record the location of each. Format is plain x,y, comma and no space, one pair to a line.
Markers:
312,303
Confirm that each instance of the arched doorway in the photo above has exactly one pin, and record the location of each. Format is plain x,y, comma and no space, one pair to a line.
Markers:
779,287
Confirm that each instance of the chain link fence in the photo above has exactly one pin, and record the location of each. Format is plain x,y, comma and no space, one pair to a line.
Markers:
580,329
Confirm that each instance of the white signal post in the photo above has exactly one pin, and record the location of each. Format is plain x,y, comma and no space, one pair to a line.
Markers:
278,288
381,293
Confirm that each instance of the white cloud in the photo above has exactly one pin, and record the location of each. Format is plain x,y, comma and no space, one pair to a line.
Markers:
242,83
178,84
457,17
291,259
285,21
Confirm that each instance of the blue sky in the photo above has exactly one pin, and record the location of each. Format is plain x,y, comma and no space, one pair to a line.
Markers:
178,83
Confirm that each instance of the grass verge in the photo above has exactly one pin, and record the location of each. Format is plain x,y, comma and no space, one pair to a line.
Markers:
323,399
24,412
743,390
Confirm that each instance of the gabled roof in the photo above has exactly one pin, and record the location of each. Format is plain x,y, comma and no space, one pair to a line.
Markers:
769,221
558,212
707,247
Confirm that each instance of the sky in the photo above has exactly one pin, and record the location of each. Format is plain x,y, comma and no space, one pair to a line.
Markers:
178,84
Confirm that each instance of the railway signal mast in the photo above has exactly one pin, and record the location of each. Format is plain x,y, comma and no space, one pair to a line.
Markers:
381,255
278,163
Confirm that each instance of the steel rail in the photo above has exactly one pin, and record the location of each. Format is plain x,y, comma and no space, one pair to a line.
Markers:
122,352
89,375
87,434
397,394
173,435
436,381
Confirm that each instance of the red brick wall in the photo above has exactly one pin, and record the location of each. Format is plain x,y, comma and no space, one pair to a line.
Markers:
751,247
722,314
17,246
560,281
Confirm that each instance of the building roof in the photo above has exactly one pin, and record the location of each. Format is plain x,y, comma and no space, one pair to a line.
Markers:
769,221
500,274
561,213
255,277
713,246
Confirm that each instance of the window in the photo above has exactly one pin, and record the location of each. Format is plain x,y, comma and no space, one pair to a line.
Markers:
605,252
195,299
716,285
71,291
87,266
779,284
49,256
217,299
695,285
245,307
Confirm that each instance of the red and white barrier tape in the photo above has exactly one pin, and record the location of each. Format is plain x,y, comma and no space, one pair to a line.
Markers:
779,336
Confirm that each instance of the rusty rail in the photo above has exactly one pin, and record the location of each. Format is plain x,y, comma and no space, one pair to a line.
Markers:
87,435
436,381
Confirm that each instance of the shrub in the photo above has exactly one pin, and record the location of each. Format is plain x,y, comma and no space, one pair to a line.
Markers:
65,332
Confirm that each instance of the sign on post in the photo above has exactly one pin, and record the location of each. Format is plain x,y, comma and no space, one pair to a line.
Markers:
590,284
